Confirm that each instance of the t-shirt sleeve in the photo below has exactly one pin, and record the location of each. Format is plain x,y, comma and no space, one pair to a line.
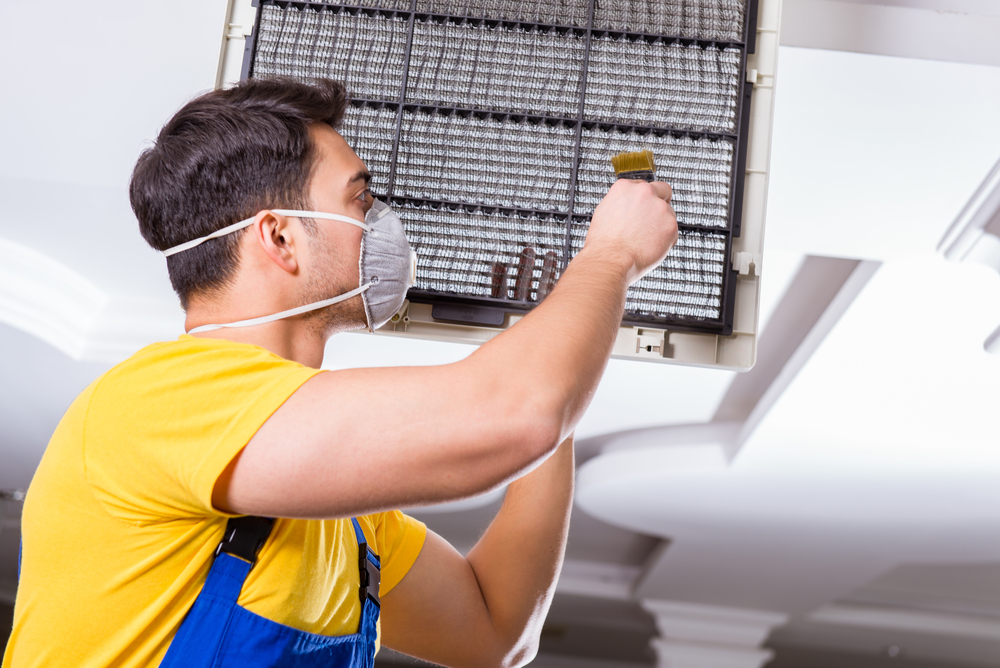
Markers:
163,426
399,539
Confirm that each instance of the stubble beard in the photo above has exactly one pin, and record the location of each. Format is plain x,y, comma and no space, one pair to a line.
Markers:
343,316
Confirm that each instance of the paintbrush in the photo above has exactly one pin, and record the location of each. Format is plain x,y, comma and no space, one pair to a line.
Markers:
637,165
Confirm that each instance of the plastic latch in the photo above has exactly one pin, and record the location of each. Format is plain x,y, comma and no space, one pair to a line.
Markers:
370,576
751,76
245,536
741,262
239,31
650,345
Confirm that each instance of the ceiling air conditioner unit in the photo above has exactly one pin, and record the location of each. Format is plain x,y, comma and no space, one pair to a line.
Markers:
489,126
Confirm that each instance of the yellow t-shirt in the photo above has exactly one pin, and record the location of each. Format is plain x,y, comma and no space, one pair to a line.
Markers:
119,528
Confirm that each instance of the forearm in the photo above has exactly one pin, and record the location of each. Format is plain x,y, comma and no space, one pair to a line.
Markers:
517,561
550,362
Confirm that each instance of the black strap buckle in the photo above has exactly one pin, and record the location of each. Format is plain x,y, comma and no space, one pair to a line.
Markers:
371,576
245,536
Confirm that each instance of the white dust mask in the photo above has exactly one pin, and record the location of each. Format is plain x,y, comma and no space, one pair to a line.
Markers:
387,266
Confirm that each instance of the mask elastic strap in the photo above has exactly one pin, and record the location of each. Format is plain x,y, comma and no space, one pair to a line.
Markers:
283,314
249,221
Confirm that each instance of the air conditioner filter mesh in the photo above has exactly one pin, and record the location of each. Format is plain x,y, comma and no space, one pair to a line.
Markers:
490,124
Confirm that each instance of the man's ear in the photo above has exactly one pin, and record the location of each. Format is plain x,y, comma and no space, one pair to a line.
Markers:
275,234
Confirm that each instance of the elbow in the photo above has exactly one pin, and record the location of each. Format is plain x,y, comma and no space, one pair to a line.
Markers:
526,424
546,420
520,656
507,655
513,433
538,433
517,646
525,415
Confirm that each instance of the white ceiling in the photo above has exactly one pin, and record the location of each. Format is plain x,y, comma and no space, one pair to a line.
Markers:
879,456
873,156
961,31
981,7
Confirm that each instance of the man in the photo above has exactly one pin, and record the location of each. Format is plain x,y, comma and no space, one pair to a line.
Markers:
138,486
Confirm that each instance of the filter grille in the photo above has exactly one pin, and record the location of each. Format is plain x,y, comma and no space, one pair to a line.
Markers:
370,131
683,86
556,12
490,124
487,161
463,247
365,52
511,70
713,19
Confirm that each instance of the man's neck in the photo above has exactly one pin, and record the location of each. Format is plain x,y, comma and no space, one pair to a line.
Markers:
293,338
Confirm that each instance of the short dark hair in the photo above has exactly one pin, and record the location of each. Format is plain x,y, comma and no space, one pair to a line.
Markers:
222,158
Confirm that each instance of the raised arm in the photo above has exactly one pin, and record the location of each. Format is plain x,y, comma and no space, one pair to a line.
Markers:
363,440
488,609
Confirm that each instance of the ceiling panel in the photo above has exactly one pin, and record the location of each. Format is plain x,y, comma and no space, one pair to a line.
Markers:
966,589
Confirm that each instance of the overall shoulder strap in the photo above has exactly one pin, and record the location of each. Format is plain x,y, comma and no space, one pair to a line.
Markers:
212,620
369,567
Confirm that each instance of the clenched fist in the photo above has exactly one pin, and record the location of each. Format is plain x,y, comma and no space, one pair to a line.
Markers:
635,224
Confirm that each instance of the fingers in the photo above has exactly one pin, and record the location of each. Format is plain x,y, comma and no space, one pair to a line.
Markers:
673,224
662,190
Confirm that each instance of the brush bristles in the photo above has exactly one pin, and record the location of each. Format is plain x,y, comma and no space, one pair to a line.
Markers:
638,161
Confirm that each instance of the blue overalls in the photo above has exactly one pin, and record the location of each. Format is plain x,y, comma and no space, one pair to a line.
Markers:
218,633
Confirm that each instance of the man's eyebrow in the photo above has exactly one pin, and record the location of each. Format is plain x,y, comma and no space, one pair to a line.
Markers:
363,175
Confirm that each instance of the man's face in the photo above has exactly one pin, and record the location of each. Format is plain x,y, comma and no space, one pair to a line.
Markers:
339,185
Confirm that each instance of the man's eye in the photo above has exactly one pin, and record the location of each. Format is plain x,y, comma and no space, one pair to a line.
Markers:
364,195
